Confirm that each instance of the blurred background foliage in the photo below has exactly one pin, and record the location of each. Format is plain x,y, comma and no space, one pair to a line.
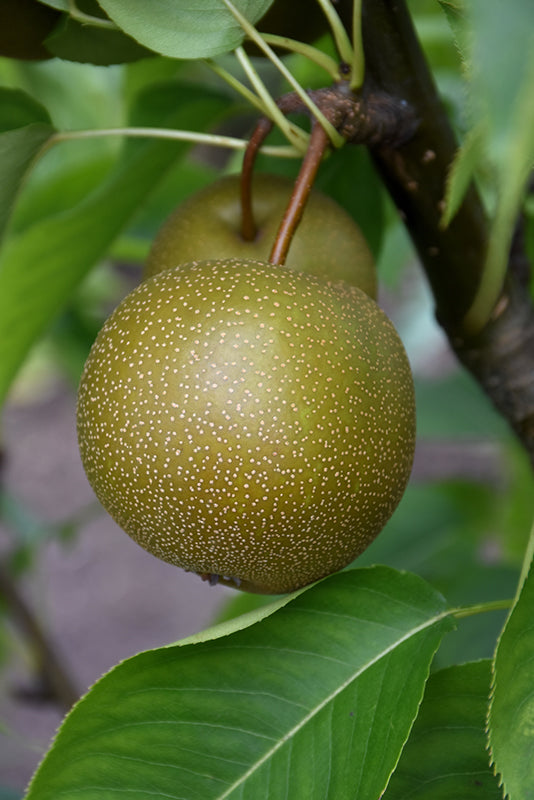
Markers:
465,518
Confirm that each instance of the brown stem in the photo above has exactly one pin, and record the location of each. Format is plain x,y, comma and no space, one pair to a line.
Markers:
416,172
303,185
260,133
287,103
55,677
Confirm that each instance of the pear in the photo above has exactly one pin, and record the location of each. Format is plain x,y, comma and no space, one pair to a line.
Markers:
327,243
251,423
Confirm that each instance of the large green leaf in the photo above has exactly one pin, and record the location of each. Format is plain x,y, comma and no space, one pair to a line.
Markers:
24,128
40,267
64,185
511,718
181,28
455,11
18,149
313,702
500,58
445,756
77,41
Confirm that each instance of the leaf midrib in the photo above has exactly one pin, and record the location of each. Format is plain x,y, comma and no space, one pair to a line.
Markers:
328,699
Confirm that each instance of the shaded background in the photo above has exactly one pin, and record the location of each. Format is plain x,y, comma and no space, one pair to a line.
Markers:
462,524
101,598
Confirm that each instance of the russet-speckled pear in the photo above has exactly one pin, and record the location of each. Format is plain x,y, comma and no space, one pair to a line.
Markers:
327,243
247,422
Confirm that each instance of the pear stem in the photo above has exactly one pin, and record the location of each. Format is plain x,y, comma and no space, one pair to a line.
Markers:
317,147
287,103
248,224
211,139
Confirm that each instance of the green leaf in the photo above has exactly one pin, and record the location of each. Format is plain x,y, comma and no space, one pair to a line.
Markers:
501,68
462,172
511,718
455,12
241,603
181,28
313,702
18,109
501,58
60,5
445,756
77,96
77,41
453,9
65,183
41,267
24,128
18,149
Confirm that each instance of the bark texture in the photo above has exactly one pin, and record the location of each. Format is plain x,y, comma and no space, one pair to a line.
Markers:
501,355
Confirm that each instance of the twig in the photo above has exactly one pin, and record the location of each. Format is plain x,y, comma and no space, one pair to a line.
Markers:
56,679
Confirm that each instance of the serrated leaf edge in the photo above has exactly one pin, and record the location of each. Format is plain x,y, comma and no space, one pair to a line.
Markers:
527,567
275,606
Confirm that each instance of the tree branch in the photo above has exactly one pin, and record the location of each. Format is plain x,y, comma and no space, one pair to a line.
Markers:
56,683
501,356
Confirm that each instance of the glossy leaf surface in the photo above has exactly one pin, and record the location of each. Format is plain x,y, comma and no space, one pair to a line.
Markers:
182,29
446,754
76,41
24,128
313,702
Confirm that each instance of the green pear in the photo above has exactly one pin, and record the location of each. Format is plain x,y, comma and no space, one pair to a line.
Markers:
327,243
248,422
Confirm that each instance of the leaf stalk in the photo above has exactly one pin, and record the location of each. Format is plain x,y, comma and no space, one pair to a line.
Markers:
481,608
215,140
